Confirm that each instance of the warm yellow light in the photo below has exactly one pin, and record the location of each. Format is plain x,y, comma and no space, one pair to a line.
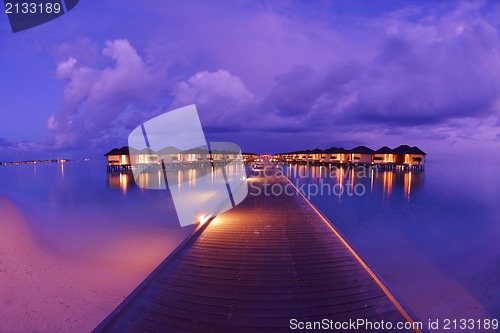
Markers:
202,218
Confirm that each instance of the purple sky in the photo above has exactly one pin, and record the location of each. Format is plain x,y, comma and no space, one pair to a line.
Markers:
270,76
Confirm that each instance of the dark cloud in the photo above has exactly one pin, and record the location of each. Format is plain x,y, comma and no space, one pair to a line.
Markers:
425,72
268,72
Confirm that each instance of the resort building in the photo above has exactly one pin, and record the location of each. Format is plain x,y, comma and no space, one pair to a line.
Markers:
361,155
123,158
384,155
337,155
144,156
195,155
169,155
315,155
411,156
118,158
404,156
230,155
250,157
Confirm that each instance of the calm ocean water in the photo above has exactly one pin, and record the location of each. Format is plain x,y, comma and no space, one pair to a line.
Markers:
433,236
71,206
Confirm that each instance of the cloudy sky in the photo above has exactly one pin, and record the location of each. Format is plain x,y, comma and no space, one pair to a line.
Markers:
270,76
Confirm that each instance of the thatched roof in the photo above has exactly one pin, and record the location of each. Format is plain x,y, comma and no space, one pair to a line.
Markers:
362,150
169,150
384,150
121,151
403,149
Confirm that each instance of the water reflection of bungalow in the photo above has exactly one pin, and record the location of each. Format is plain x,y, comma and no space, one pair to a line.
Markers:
400,182
120,180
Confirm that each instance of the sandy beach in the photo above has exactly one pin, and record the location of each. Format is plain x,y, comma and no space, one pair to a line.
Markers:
42,291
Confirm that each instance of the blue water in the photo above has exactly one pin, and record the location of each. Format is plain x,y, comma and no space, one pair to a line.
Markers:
432,235
62,201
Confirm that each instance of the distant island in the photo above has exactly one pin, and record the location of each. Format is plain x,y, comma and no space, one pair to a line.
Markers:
61,160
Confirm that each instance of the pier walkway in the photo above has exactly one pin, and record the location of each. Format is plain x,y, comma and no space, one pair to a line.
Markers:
272,259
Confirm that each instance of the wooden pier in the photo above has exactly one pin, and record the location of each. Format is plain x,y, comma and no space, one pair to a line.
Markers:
272,259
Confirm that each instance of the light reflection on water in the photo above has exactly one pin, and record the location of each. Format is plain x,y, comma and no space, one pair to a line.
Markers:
66,198
186,178
196,190
433,235
350,181
89,238
67,202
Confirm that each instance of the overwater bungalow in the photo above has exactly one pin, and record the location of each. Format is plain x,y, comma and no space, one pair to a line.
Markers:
405,156
295,156
298,156
225,155
118,158
304,155
250,157
169,155
143,157
218,155
409,156
361,155
336,155
384,155
200,154
316,155
127,157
